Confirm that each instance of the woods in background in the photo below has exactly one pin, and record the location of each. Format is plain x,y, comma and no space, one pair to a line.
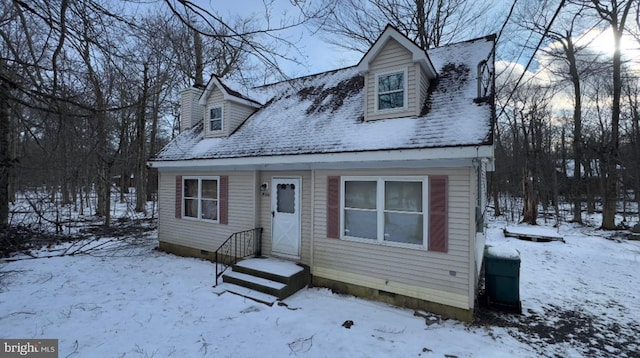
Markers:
89,90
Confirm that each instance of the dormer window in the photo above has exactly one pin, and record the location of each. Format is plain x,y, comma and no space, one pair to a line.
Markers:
484,81
215,119
391,90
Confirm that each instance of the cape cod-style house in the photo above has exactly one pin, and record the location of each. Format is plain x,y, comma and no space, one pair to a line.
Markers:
371,177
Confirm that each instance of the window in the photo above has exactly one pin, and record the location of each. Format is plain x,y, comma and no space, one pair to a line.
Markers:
403,215
484,80
286,198
384,209
215,119
391,90
360,209
200,199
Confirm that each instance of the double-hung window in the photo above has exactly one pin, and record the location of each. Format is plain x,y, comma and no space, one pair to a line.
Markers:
385,209
391,90
215,119
200,198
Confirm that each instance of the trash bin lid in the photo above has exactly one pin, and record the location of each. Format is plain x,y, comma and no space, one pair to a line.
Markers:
504,253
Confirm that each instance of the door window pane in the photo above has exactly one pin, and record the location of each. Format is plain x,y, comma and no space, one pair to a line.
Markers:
286,198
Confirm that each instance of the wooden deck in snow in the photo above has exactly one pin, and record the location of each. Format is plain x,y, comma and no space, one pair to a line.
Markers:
533,233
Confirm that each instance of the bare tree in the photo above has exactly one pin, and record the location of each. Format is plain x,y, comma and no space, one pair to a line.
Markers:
5,159
633,162
83,91
430,23
615,13
566,52
263,42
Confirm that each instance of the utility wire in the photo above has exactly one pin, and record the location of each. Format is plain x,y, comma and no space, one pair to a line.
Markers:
504,24
526,68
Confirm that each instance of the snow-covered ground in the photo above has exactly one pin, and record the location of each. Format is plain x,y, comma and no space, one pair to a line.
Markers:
125,299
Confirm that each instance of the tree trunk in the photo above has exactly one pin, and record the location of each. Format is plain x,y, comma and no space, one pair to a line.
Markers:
530,209
610,14
5,160
124,161
591,205
152,173
495,193
576,189
103,184
635,128
141,163
197,47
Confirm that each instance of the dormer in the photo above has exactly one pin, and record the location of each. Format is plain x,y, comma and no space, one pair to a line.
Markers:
225,109
397,74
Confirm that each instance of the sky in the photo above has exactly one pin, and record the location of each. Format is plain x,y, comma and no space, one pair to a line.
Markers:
318,55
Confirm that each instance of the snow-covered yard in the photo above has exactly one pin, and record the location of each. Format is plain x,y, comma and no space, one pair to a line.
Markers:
579,298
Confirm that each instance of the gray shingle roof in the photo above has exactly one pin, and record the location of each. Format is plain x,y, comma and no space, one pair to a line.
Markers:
323,113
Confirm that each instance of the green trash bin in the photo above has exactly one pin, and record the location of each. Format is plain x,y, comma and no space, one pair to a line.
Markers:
502,277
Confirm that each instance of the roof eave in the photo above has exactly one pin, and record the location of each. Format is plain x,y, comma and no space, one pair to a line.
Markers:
395,155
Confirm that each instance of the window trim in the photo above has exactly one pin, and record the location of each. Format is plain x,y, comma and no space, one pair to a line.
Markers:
405,90
221,119
380,209
199,198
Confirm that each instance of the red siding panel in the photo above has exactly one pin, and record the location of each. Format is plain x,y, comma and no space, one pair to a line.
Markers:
438,235
178,196
333,207
224,200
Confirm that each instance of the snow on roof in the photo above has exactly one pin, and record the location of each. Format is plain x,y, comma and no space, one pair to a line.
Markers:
324,113
239,90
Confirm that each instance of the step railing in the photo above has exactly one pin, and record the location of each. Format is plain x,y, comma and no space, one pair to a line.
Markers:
238,246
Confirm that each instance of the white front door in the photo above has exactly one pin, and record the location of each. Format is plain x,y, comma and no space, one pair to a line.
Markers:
285,211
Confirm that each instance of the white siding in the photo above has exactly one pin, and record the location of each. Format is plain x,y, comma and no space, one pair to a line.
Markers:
265,213
393,56
190,110
199,234
397,266
237,114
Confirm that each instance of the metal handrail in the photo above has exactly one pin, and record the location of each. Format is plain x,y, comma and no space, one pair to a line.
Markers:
239,245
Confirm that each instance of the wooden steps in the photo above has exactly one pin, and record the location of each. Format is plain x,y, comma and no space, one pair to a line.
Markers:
274,277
